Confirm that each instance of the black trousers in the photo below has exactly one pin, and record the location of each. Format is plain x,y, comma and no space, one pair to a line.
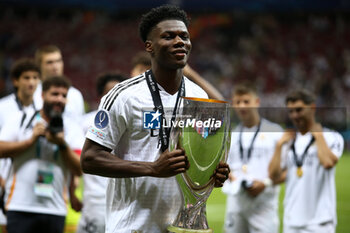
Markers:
25,222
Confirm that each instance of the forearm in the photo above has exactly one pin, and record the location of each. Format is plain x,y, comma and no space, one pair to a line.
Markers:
71,159
10,149
212,92
109,165
275,169
281,178
327,158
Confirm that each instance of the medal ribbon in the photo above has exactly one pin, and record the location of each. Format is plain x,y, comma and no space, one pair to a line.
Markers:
299,162
246,159
153,87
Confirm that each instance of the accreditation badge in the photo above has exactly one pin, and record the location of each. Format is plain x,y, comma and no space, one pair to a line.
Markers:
44,181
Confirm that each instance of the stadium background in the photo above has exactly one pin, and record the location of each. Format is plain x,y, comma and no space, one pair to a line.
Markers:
279,45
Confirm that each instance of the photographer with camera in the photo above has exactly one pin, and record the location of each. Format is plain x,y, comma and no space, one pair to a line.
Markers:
252,197
44,153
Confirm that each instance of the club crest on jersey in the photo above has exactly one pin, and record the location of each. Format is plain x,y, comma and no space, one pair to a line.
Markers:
151,120
101,119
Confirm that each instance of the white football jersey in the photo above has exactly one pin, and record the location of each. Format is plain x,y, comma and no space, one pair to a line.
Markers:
143,204
42,159
311,198
94,193
9,105
256,168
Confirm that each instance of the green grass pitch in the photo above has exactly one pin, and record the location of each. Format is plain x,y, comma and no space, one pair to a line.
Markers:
216,202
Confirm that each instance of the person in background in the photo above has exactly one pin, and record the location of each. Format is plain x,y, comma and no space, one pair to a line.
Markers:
50,60
308,153
252,196
142,194
44,153
25,76
140,63
92,218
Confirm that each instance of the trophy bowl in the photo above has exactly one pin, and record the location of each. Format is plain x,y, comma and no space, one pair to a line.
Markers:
202,129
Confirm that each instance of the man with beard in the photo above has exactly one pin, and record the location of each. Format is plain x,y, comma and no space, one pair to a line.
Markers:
308,154
142,194
50,60
44,153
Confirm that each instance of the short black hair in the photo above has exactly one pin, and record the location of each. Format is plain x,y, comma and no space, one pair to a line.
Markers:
159,14
104,78
23,65
301,94
56,81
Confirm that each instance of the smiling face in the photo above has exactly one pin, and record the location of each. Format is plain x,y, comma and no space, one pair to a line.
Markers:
169,44
301,114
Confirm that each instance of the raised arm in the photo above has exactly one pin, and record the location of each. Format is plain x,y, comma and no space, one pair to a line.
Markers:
97,159
327,158
11,149
212,92
275,169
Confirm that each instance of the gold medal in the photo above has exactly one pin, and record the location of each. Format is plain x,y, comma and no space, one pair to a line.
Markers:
299,172
244,168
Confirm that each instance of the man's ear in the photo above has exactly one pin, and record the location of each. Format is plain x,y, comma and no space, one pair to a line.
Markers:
149,46
15,82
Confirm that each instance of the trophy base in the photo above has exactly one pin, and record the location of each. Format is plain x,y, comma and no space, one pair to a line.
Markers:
174,229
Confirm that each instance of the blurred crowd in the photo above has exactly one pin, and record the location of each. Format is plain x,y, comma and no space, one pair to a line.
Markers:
279,52
43,121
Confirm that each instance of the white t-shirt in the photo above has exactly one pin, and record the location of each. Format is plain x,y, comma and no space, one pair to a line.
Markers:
257,166
75,103
94,194
147,204
310,199
10,106
42,159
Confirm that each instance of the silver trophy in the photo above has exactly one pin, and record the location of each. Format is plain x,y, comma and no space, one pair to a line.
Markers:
202,129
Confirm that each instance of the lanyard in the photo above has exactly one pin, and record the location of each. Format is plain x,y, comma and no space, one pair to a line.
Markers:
20,106
38,149
245,160
153,87
299,162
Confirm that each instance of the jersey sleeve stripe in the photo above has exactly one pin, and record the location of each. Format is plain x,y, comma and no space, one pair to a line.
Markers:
110,95
109,105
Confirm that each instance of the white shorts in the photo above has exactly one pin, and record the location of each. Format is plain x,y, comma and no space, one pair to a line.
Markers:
328,227
92,219
261,218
